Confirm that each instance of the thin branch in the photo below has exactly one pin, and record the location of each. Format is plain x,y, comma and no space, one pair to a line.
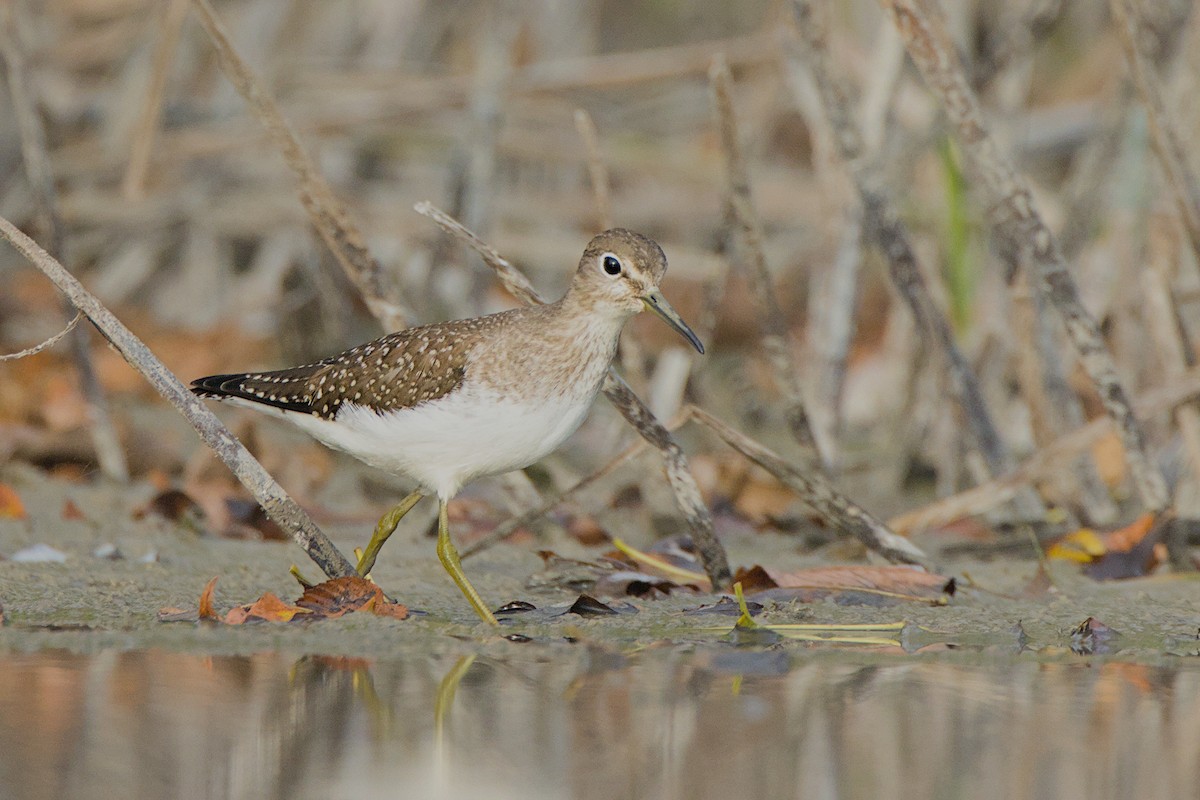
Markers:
170,26
1162,131
741,213
53,340
597,171
103,433
326,211
986,496
885,227
835,508
269,494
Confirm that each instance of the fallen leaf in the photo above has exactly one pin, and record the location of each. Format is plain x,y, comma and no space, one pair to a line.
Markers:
1092,637
340,596
846,582
588,606
674,559
11,506
248,520
206,601
1127,552
268,608
634,584
176,506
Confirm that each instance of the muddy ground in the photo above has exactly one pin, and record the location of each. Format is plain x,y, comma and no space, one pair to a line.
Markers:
88,601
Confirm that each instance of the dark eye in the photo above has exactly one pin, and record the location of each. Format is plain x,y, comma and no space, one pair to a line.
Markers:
611,265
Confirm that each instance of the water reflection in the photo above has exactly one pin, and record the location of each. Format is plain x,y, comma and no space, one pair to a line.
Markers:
575,722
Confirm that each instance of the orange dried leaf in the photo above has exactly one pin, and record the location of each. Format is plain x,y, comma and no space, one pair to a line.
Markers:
206,601
268,608
339,596
1125,539
11,506
387,609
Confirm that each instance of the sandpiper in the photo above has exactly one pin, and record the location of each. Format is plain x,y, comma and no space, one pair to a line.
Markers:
446,403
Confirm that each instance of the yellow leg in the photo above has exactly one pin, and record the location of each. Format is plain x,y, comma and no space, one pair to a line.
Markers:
449,558
387,524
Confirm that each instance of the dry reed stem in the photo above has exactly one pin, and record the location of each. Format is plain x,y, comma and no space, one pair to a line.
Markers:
835,509
1166,141
683,484
1053,406
633,362
987,496
1164,327
597,171
269,494
1019,221
103,433
741,213
885,227
326,211
170,26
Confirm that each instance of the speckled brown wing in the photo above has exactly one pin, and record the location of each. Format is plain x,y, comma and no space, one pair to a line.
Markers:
400,370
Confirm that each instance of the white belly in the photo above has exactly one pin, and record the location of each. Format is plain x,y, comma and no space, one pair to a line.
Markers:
447,443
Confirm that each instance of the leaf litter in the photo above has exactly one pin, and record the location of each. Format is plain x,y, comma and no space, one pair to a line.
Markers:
329,600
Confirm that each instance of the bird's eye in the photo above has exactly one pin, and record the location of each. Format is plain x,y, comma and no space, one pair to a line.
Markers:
611,265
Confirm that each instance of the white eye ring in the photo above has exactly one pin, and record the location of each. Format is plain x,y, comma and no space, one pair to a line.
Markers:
610,264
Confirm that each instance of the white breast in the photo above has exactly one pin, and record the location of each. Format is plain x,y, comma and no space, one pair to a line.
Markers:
447,443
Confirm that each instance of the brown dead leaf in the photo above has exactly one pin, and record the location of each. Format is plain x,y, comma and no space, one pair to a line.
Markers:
206,601
268,608
897,582
333,598
340,596
1128,552
11,506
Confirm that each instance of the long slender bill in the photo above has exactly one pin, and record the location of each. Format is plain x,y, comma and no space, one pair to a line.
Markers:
659,305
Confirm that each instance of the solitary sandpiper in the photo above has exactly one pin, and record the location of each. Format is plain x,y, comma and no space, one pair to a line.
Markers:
446,403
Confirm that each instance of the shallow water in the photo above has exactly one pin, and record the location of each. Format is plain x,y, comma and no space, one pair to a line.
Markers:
572,721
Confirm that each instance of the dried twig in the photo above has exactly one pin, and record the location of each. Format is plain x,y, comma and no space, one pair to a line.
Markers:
885,227
53,340
269,494
741,213
597,172
109,454
986,496
687,493
327,213
837,510
1019,221
170,27
632,360
1166,141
